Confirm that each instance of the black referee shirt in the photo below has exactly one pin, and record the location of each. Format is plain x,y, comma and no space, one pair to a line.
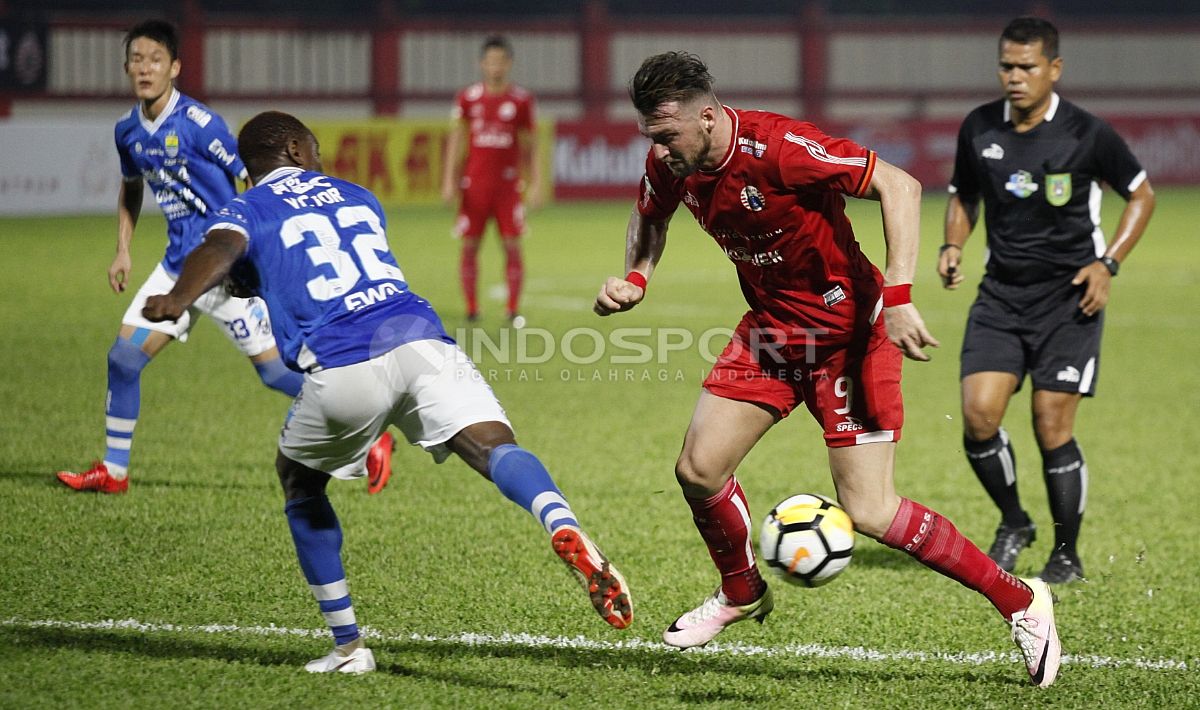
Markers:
1041,189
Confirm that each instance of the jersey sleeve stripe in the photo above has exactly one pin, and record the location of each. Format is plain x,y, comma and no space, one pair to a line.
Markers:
231,227
1137,181
865,182
817,151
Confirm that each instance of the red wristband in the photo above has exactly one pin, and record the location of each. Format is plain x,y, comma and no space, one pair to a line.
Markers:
636,278
897,295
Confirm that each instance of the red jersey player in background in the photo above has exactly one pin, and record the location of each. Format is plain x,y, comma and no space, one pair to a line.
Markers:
498,118
825,329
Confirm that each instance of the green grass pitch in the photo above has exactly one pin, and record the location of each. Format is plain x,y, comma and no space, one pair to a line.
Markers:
471,607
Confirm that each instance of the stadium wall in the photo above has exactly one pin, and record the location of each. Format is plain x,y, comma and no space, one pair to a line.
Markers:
382,87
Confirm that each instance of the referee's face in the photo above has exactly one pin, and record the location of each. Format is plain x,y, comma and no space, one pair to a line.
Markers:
1027,75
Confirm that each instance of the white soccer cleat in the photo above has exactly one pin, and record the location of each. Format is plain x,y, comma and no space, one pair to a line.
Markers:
360,660
702,624
1035,634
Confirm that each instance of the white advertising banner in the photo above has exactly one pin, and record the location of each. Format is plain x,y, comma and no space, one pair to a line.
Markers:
59,167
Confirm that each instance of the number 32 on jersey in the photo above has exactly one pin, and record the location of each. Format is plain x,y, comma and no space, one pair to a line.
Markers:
348,268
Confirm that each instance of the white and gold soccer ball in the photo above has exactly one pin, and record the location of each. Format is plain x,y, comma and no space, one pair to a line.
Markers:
807,539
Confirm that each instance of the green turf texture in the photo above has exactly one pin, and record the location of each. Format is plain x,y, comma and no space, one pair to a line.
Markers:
201,538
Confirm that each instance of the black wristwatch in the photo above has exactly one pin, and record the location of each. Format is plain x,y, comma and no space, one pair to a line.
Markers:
1111,264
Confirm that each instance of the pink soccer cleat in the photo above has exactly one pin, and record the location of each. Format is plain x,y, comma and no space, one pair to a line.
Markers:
97,478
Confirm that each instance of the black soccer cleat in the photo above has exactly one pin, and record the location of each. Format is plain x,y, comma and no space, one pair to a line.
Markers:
1061,568
1010,540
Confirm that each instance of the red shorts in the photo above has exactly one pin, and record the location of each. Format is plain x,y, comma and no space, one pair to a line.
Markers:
481,202
852,391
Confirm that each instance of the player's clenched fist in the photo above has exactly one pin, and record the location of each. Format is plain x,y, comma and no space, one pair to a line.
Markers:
162,307
617,295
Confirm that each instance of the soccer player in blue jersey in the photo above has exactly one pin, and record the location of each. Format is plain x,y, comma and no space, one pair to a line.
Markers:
186,153
373,353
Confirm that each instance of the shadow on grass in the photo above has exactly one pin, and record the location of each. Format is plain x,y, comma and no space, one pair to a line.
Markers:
697,678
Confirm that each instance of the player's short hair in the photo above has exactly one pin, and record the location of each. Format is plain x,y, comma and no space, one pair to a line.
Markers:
1027,30
668,77
160,31
496,42
266,136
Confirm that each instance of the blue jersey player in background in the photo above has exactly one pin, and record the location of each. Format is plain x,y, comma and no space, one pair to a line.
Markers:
187,155
373,353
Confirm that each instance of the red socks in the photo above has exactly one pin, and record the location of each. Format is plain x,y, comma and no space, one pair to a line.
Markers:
468,272
937,544
514,273
724,522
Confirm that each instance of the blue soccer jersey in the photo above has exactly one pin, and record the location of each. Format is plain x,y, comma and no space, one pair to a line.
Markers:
319,256
190,161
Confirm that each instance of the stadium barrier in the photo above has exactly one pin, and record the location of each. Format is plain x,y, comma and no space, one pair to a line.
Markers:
70,166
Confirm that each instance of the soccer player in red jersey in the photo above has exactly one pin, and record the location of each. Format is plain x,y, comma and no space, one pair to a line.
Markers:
498,118
824,328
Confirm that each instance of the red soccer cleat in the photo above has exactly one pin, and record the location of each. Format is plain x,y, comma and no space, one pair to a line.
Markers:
605,586
97,478
379,463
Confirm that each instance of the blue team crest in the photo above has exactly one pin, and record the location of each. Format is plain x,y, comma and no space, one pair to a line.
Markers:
171,144
1021,184
752,199
1058,189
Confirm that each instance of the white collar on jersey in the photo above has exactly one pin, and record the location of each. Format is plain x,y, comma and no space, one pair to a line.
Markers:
152,126
279,173
1049,113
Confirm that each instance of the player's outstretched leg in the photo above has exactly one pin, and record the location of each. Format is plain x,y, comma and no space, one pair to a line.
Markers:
317,535
724,523
523,479
126,360
936,543
379,463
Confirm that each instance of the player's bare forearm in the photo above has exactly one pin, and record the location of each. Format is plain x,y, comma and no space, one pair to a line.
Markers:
960,220
899,196
204,268
129,206
1133,222
645,241
451,162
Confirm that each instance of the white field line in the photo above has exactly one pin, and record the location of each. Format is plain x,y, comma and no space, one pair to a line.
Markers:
856,653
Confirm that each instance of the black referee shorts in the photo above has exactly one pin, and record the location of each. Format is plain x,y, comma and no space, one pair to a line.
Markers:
1036,329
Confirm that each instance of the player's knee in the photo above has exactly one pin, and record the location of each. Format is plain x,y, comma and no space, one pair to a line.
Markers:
1052,434
126,360
980,424
298,480
697,477
872,515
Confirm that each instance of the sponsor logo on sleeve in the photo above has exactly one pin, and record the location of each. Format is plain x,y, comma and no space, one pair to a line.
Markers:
199,116
834,296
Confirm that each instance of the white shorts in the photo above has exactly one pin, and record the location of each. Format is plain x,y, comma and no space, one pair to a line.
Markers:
243,320
428,389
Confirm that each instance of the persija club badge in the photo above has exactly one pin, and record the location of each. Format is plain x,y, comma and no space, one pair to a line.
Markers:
752,199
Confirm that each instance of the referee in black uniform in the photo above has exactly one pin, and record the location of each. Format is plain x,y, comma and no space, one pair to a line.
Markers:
1038,162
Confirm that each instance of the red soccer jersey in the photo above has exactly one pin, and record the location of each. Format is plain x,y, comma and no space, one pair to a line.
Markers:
775,207
493,122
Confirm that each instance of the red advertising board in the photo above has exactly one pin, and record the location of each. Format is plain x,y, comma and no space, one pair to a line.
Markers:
605,161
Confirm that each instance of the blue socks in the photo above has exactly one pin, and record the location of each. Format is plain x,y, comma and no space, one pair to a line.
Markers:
318,539
125,363
525,481
277,376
